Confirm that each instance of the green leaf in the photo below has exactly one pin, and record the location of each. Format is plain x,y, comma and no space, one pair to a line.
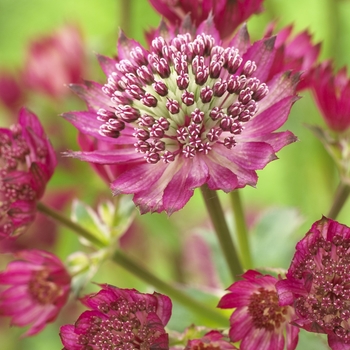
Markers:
272,242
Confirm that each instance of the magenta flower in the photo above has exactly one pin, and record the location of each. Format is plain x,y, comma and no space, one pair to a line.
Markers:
227,14
120,319
27,163
258,321
332,94
54,61
318,282
296,53
211,340
184,113
39,288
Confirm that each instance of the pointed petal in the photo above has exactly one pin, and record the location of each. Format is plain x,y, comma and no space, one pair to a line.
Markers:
121,155
252,155
192,174
270,119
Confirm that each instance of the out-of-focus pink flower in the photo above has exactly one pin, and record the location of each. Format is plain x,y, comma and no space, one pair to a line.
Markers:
27,161
318,282
294,53
332,94
39,288
123,318
227,14
186,112
11,92
211,340
54,61
258,320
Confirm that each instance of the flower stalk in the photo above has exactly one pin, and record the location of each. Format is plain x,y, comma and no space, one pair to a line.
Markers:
76,228
241,230
340,198
199,308
136,269
223,234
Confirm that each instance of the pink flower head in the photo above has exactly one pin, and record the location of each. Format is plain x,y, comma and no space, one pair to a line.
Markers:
318,282
39,288
211,340
332,94
184,113
120,319
258,321
296,53
55,61
27,161
228,14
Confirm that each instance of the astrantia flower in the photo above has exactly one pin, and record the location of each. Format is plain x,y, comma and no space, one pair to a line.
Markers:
318,282
258,320
120,319
332,94
39,288
186,112
27,161
54,61
211,340
228,14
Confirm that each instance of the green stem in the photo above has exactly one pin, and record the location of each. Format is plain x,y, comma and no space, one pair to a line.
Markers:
217,217
81,231
199,308
241,229
340,198
211,314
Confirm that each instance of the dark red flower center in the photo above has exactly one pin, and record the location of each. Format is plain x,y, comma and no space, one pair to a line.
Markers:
181,97
127,326
326,273
13,153
264,309
42,288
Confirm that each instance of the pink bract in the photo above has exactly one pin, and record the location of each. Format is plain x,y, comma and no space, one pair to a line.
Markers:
39,287
54,61
296,53
258,321
122,317
317,282
185,113
228,14
27,162
332,95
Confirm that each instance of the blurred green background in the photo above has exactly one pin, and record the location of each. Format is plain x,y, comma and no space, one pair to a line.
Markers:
291,194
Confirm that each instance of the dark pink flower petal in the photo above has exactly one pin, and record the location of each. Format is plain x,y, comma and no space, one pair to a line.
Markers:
39,287
227,15
317,282
258,320
331,92
176,115
123,317
27,163
62,50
